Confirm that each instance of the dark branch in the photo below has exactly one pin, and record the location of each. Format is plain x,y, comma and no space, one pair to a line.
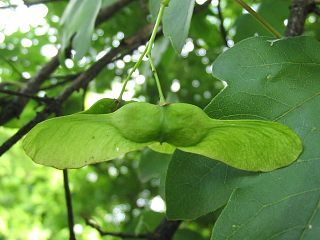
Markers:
299,11
69,205
15,108
31,87
29,96
223,31
166,230
102,232
22,131
65,79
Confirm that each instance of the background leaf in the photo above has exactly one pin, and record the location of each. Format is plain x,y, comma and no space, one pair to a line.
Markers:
176,22
269,80
78,24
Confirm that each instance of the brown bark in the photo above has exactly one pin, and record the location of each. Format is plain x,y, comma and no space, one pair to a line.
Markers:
299,11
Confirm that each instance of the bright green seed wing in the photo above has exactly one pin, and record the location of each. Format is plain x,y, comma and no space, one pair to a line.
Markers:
103,106
76,140
81,139
249,144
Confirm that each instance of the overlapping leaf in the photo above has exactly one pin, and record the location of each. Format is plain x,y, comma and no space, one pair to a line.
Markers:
78,24
267,80
176,22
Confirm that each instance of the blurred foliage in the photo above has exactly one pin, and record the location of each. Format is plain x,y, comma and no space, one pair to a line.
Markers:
120,195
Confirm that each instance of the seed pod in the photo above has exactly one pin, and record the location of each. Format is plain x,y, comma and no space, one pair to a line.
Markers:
80,139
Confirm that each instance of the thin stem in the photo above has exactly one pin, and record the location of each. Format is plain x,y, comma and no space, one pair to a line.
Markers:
222,28
121,235
147,49
39,99
156,77
260,19
69,204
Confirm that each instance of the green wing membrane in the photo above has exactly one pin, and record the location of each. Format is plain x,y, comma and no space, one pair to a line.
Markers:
249,144
75,141
81,139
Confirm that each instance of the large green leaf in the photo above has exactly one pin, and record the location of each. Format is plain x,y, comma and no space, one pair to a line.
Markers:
246,26
80,139
278,81
176,22
78,24
152,165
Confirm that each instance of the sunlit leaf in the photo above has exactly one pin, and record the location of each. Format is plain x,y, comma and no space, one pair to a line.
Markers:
176,22
77,26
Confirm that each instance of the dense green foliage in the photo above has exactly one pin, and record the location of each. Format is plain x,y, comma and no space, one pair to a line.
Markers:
268,80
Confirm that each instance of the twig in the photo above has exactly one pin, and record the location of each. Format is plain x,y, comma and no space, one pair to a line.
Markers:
68,204
299,11
22,131
166,230
65,79
259,18
31,87
25,95
222,28
102,232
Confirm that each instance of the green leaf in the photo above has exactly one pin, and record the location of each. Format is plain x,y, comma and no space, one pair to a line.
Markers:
104,106
152,165
246,26
187,234
196,185
154,6
77,26
83,139
176,22
278,81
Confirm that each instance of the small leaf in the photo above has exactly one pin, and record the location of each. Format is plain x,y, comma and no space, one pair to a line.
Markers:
80,139
77,26
154,6
152,165
276,81
176,22
104,105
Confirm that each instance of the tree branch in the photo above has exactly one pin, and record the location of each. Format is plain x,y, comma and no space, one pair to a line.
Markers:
15,108
299,11
223,31
102,232
28,96
165,231
67,192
